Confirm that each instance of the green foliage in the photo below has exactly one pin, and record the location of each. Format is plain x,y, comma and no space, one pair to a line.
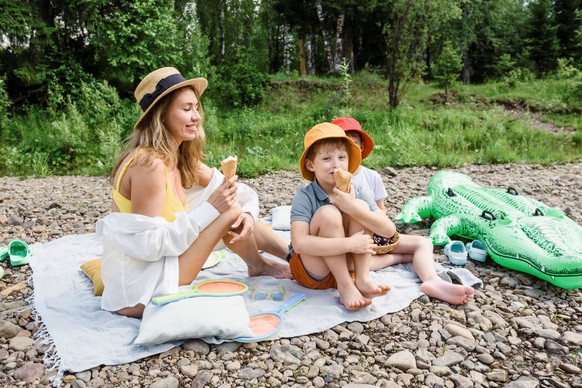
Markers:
406,34
542,36
5,103
572,77
239,85
83,138
346,78
86,136
448,66
135,38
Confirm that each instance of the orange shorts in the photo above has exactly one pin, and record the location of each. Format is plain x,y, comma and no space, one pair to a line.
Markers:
302,277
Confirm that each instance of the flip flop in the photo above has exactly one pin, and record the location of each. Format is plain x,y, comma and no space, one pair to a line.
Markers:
3,253
477,251
19,253
456,252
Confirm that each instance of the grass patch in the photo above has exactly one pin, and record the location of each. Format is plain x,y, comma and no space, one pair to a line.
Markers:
425,130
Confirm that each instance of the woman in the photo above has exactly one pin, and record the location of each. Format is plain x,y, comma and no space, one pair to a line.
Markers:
153,242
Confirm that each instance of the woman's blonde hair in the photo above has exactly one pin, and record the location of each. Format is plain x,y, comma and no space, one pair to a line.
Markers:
153,136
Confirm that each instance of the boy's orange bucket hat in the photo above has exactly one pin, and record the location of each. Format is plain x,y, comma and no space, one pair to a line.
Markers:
327,131
350,124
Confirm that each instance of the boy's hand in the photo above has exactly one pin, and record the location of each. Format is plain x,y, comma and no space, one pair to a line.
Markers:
362,243
344,201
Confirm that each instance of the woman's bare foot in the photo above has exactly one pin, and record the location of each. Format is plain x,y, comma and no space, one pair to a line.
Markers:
271,268
371,289
352,299
447,292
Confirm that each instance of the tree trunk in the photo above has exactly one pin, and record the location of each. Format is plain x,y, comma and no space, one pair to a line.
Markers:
302,64
338,43
393,93
465,75
348,49
287,49
325,35
309,57
222,33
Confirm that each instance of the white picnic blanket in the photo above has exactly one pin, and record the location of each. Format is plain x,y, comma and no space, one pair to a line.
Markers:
81,336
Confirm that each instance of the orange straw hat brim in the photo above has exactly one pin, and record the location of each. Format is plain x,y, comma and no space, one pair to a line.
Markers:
161,82
350,124
327,131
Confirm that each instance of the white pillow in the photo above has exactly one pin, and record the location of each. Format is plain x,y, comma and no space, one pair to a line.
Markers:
281,218
221,317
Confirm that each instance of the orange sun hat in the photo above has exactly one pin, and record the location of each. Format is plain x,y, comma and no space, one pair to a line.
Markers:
327,131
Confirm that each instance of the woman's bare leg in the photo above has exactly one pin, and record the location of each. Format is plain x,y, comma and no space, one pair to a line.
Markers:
192,260
268,241
132,312
258,264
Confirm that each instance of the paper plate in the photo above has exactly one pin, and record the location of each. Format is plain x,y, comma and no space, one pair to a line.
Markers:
214,258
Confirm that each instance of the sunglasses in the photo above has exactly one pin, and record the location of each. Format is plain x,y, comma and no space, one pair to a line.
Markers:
276,294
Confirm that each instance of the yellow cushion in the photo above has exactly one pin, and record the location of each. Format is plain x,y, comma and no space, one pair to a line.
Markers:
92,269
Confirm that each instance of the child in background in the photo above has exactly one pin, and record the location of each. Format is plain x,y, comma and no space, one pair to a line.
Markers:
368,179
415,249
329,244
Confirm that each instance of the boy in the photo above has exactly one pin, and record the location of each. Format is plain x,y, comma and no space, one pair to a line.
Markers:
330,246
415,249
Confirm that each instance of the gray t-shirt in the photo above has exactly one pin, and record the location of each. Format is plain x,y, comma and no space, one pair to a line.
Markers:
312,197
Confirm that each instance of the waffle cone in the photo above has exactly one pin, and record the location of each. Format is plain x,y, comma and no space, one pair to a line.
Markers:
342,180
228,167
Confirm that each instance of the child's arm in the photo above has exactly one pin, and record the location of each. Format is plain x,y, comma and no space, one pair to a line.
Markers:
375,221
307,244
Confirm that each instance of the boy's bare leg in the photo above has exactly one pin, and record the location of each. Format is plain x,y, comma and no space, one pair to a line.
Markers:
268,241
419,250
327,222
362,264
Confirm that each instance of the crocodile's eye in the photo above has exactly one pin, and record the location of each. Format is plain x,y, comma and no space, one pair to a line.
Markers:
450,192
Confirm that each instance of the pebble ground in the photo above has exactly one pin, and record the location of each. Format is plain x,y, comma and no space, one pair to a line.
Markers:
519,332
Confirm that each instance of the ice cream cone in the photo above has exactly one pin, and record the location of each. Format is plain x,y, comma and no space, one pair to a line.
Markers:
342,180
228,166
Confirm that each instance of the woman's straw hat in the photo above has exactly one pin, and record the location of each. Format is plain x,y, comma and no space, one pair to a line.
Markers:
326,131
350,124
160,82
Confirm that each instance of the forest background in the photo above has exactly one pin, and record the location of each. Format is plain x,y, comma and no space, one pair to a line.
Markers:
435,82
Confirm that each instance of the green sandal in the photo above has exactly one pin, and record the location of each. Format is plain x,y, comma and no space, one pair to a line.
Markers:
3,253
19,253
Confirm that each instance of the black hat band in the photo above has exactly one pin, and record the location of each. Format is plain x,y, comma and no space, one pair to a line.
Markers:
163,85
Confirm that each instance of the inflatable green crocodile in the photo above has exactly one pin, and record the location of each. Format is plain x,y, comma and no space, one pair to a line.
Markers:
519,233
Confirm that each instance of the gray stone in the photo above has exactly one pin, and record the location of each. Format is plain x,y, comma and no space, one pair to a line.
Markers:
448,359
29,372
8,329
403,360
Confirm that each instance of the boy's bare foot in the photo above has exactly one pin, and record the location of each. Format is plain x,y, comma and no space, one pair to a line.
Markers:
271,268
447,292
352,299
371,289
